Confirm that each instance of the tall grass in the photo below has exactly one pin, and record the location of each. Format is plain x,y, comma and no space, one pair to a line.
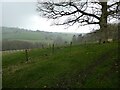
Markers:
87,66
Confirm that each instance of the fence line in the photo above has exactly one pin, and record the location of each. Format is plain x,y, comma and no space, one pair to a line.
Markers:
26,51
12,51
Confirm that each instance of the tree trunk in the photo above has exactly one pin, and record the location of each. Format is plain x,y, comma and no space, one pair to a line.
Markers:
103,22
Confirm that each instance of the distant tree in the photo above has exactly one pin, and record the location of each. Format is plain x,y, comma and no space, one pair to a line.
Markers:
79,38
37,30
83,13
113,34
59,41
66,42
74,39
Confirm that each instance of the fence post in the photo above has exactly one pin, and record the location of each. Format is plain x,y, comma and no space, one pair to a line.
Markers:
26,54
53,48
70,47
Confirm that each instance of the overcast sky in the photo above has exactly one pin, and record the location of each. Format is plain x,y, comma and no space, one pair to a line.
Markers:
23,14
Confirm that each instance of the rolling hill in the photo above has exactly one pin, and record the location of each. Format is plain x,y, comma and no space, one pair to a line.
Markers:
16,38
33,36
79,66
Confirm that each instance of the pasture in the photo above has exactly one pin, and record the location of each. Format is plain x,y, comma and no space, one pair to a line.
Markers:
33,36
79,66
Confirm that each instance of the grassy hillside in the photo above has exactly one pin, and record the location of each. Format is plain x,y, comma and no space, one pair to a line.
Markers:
33,36
90,65
16,38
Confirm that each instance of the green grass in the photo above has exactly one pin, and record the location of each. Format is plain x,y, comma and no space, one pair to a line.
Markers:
26,35
87,66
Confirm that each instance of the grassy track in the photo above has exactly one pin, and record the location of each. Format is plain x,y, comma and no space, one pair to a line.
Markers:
87,66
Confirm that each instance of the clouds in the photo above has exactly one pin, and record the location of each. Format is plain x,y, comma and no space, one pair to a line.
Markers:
17,13
18,0
0,14
24,15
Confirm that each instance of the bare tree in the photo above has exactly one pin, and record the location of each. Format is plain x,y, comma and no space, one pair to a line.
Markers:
74,39
70,12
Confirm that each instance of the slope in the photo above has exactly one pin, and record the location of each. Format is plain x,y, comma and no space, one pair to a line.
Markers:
80,66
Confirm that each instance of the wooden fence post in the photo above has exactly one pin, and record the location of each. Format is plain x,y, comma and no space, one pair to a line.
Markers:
70,47
53,48
26,54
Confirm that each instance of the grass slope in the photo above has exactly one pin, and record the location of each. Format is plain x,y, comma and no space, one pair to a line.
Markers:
87,66
33,36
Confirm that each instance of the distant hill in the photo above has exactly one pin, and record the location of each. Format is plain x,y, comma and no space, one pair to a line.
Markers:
16,38
33,36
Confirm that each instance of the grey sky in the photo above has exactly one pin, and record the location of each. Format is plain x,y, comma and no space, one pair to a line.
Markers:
17,13
23,14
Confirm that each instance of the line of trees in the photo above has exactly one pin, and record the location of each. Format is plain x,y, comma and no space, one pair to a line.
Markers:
95,35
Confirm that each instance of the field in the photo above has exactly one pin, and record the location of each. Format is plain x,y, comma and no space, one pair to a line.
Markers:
33,36
16,38
79,66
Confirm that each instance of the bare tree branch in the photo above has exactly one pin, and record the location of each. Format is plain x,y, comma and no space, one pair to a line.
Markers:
116,3
78,12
